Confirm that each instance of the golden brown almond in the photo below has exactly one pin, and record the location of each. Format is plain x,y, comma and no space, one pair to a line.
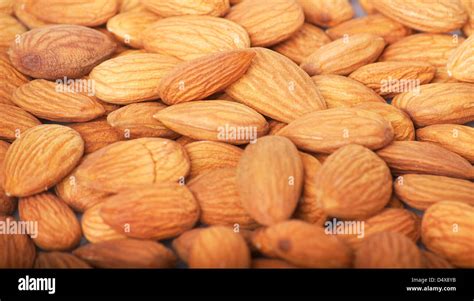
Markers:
461,61
6,6
376,24
14,121
433,261
136,121
326,13
47,53
391,78
96,134
40,158
344,55
219,200
388,250
422,191
59,260
127,253
58,227
425,158
208,155
302,43
225,121
169,8
173,36
21,9
267,263
18,250
94,227
341,91
326,131
428,106
135,162
9,29
270,177
10,79
268,23
288,91
403,128
202,77
342,192
429,16
303,245
219,247
447,230
182,244
131,78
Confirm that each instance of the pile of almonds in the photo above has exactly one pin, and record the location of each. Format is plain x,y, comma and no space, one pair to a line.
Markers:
228,134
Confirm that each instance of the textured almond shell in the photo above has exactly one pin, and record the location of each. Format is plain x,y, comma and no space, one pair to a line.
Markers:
169,8
14,121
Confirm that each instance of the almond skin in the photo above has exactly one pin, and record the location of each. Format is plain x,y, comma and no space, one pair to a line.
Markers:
433,261
219,247
209,35
151,212
59,260
127,253
224,121
10,79
461,61
6,6
18,250
21,9
288,94
326,13
267,263
182,244
425,158
270,179
94,227
7,204
429,106
50,153
96,134
58,227
9,28
342,192
268,23
47,52
326,131
131,78
202,77
303,245
422,191
388,250
169,8
456,138
14,121
344,55
447,230
218,197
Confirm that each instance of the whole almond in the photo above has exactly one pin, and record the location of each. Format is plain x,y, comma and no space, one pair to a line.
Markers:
428,105
169,8
270,179
47,52
344,55
127,253
202,77
14,121
94,227
58,227
268,23
209,35
326,13
326,131
96,134
288,93
59,260
425,158
10,79
18,250
447,230
303,245
422,191
461,61
40,158
9,29
433,261
225,121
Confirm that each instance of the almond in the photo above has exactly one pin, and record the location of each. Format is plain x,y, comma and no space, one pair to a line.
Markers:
461,61
131,78
182,244
40,158
368,6
447,230
96,134
344,55
48,53
219,247
388,250
21,9
326,131
225,121
169,8
425,158
268,23
9,29
59,260
270,179
469,26
94,227
6,6
326,13
422,191
303,245
10,79
428,105
218,197
151,212
7,204
267,263
14,121
131,5
172,36
433,261
288,91
275,127
18,250
202,77
127,253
